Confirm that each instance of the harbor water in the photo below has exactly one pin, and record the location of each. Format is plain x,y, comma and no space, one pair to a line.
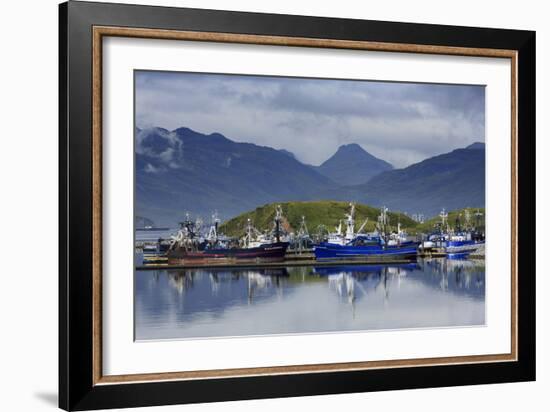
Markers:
198,303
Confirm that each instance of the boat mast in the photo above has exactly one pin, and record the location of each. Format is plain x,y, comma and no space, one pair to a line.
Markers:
189,226
302,235
249,230
444,215
278,218
303,232
458,226
213,232
383,222
350,222
467,220
478,215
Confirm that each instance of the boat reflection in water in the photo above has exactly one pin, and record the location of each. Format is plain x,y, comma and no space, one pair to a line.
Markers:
256,280
351,282
238,302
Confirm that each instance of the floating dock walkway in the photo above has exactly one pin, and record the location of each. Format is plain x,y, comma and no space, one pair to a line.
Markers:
281,264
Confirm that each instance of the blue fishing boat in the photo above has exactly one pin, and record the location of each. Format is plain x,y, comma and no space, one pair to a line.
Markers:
461,244
354,250
467,238
460,241
380,245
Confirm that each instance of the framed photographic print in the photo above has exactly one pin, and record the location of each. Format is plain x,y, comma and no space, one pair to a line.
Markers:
258,205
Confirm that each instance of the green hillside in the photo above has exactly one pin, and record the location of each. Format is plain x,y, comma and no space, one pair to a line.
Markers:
428,225
327,213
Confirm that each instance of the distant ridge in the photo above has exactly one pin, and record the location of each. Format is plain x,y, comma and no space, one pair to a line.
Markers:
288,153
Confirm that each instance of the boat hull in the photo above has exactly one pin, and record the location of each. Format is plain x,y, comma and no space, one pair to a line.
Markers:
458,256
462,246
155,250
327,251
264,253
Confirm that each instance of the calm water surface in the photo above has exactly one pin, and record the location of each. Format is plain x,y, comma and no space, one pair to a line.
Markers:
173,304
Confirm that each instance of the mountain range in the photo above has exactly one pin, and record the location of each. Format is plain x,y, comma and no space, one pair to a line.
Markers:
452,180
183,171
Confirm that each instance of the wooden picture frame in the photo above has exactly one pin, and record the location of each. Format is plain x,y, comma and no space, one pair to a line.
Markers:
83,25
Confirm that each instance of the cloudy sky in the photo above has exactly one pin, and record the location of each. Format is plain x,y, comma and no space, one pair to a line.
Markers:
401,123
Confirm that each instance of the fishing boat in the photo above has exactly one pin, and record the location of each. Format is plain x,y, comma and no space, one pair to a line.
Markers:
457,242
188,248
153,253
464,239
380,245
301,242
154,249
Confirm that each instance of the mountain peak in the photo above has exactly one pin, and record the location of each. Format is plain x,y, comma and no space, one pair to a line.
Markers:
476,146
351,149
350,146
352,165
185,132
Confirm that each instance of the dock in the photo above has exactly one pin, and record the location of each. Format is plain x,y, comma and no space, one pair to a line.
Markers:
427,254
282,264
